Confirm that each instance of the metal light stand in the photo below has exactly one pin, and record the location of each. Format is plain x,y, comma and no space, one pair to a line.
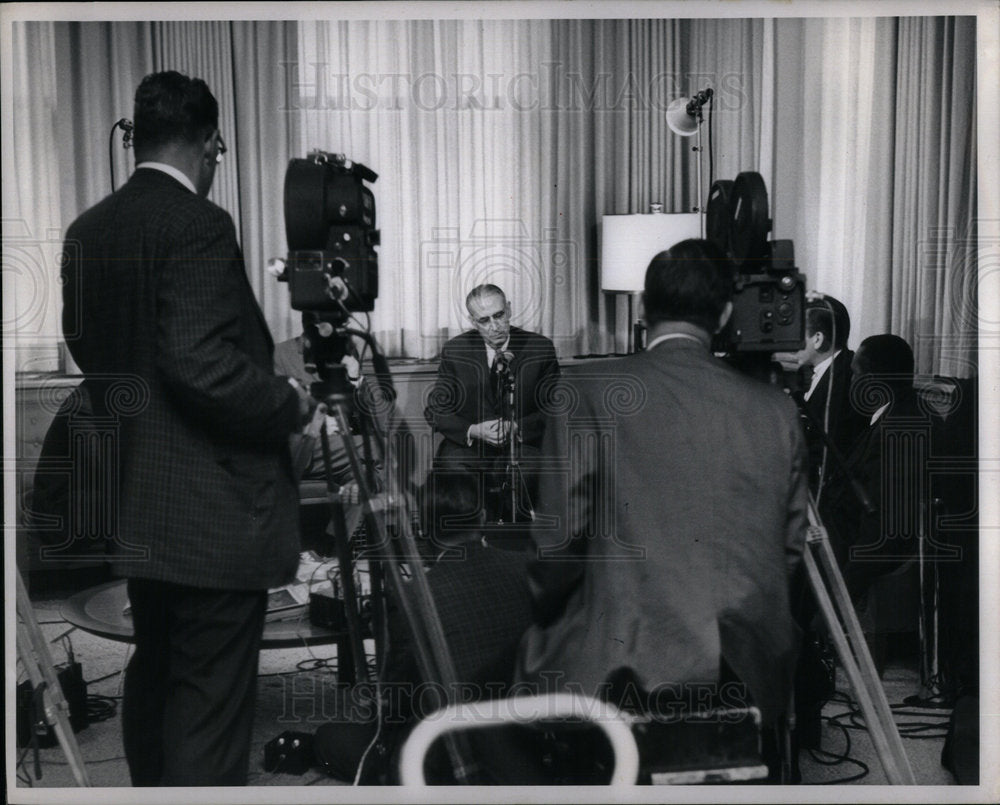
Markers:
395,545
700,208
37,659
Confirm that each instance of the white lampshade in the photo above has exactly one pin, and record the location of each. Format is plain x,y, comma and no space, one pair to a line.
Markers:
629,242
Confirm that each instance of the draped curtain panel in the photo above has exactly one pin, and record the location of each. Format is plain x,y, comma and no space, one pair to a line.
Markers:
32,240
875,175
446,112
499,145
933,270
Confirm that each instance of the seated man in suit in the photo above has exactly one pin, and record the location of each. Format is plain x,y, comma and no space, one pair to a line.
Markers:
469,404
826,403
888,460
672,517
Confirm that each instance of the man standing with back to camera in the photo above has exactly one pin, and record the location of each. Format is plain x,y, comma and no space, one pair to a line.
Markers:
205,486
673,515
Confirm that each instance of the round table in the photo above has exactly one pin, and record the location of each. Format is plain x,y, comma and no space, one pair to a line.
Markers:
101,610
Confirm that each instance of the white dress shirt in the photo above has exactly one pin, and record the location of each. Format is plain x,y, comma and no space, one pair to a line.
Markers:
170,170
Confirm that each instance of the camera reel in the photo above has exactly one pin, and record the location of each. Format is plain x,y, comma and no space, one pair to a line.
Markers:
769,297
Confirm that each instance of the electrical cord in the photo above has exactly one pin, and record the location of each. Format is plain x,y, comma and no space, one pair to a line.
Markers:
100,708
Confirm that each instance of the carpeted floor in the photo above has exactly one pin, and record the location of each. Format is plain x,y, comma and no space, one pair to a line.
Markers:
294,686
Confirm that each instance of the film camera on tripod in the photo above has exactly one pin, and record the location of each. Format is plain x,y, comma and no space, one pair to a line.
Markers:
332,265
769,299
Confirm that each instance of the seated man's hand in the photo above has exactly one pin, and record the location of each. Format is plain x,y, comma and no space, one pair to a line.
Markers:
492,431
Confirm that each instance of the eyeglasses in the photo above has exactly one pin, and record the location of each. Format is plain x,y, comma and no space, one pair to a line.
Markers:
499,316
222,149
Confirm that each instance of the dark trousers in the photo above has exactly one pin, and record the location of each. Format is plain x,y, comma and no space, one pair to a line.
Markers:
190,687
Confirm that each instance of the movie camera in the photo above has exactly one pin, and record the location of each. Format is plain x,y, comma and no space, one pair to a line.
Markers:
769,298
332,265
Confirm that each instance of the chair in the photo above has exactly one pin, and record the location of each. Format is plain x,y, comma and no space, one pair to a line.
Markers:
522,710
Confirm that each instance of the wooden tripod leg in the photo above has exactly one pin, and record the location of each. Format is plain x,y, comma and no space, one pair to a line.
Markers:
37,660
852,650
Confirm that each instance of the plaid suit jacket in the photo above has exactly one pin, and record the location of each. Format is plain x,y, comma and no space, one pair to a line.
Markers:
159,315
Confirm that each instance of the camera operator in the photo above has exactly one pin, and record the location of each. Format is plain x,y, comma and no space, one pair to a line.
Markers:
674,543
206,493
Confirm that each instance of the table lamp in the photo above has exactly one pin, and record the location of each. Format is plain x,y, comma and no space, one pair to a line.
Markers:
629,242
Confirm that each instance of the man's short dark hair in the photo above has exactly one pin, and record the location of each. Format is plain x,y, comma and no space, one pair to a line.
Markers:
887,354
830,317
449,495
691,281
482,291
170,107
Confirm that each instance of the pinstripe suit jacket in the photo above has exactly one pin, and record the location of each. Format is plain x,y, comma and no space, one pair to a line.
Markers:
671,516
159,315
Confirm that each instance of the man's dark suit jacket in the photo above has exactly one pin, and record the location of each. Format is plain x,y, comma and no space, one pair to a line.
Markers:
671,516
159,314
463,394
889,461
845,422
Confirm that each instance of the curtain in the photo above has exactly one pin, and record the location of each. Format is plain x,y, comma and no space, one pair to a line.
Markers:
446,112
263,127
32,240
875,174
501,143
614,153
70,138
933,269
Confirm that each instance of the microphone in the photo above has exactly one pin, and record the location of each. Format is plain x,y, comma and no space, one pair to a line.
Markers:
698,101
126,126
503,360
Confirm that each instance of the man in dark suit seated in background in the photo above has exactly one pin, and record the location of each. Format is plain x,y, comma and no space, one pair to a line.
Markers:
676,515
156,290
888,459
826,402
467,405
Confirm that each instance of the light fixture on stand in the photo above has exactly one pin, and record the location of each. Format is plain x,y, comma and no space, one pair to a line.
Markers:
684,118
630,242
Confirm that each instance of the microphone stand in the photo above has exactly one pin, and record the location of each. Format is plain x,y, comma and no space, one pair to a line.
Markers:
513,480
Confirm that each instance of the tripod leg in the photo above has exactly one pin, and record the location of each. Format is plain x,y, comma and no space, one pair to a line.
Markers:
852,650
355,642
37,660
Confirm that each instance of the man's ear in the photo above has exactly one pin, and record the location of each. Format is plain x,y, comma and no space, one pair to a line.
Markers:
208,146
727,311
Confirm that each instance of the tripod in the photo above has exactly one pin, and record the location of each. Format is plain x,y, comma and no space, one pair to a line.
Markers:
37,659
834,602
393,549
